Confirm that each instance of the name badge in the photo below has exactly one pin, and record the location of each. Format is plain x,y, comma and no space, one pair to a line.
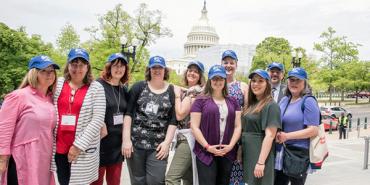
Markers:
68,122
151,108
118,118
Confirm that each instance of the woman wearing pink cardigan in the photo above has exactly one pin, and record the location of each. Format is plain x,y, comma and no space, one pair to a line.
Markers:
27,120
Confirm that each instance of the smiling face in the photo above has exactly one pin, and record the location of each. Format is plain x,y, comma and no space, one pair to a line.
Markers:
192,75
78,69
276,75
46,77
258,86
157,72
230,65
218,83
296,86
118,69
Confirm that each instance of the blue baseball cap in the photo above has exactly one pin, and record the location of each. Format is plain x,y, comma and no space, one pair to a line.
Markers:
298,72
78,53
276,65
229,53
260,72
217,70
115,56
157,61
198,64
41,62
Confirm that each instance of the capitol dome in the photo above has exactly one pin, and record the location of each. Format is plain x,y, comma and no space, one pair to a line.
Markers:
202,35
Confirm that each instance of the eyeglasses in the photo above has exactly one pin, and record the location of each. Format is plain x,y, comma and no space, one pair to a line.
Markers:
77,66
47,72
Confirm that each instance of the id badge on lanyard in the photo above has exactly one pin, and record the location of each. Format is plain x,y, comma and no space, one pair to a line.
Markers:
151,108
68,122
118,118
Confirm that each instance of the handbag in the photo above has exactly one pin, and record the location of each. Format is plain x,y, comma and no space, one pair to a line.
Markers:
295,161
318,148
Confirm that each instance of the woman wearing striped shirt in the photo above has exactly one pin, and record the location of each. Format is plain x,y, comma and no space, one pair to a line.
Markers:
80,104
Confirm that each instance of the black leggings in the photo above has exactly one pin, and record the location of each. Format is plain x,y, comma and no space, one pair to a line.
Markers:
282,179
63,168
12,172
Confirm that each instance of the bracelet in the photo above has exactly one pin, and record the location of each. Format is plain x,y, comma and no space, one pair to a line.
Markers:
206,147
260,164
3,160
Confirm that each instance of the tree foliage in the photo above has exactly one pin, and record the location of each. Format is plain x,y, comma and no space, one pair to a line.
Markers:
16,49
67,39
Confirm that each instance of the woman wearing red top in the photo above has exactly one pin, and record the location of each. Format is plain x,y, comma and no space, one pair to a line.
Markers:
80,106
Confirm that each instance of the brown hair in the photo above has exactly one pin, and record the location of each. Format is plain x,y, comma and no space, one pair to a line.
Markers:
307,90
255,106
166,74
107,75
208,91
88,77
201,80
30,79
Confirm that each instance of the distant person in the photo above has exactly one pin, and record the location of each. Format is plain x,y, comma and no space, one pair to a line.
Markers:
215,124
114,77
276,72
343,122
27,121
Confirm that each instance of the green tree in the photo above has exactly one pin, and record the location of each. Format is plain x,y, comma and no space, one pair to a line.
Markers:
16,49
357,76
117,27
272,49
67,39
335,52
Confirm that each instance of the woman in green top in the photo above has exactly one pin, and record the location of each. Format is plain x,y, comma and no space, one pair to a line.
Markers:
260,121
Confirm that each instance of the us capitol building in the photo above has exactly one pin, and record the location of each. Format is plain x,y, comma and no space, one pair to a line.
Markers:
203,44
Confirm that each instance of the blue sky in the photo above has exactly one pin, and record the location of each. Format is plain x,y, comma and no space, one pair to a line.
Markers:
236,21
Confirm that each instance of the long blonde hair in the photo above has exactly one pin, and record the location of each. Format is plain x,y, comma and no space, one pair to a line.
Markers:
31,80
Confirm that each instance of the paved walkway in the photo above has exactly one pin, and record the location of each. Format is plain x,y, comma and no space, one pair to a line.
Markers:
344,165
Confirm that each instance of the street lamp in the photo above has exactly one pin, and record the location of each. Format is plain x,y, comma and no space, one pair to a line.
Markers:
296,58
126,51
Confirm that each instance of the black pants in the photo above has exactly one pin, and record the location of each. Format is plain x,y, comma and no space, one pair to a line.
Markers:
12,172
63,168
282,179
218,173
342,132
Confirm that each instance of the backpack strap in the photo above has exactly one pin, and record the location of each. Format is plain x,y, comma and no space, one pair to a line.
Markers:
303,104
172,95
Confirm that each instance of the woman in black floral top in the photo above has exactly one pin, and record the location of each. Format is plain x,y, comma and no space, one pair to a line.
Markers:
181,168
149,125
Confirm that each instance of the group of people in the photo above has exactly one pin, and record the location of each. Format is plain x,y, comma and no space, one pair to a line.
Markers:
82,129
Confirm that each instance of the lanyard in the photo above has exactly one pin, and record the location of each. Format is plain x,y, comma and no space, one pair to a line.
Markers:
119,97
71,99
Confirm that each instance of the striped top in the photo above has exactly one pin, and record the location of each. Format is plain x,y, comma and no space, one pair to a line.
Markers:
87,138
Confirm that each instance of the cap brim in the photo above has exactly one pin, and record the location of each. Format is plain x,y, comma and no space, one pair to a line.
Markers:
297,76
198,66
230,57
47,64
78,56
156,64
259,74
124,60
275,67
217,74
